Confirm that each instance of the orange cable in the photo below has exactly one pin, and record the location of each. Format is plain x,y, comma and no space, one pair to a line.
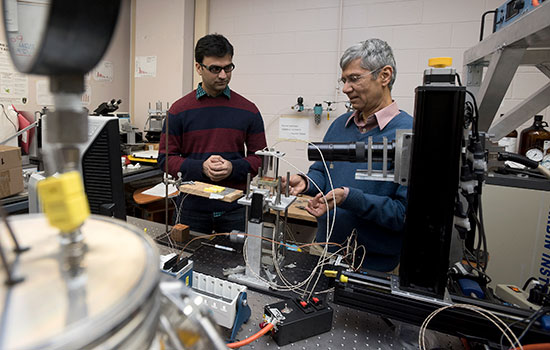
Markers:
252,337
541,346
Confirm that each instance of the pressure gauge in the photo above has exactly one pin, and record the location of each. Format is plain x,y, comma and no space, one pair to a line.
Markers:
546,161
58,37
534,154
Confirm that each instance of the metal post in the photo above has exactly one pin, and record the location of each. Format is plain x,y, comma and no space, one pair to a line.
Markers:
166,171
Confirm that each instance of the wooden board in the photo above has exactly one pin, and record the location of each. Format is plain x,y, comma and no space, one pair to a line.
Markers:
197,189
297,209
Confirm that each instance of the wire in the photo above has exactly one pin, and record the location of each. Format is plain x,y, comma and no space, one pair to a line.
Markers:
171,244
530,321
539,313
531,279
465,252
475,125
485,313
252,337
8,118
329,230
264,238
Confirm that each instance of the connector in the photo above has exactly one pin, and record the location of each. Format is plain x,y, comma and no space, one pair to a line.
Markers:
170,263
305,305
64,201
180,265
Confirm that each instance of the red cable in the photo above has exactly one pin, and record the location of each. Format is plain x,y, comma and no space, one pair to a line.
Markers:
541,346
251,338
465,343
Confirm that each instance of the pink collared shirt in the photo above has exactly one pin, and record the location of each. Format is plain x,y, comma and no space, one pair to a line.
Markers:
380,118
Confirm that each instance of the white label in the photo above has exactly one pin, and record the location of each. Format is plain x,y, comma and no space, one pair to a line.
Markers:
294,128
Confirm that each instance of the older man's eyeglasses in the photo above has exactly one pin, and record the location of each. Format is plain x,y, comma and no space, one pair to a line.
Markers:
217,69
354,79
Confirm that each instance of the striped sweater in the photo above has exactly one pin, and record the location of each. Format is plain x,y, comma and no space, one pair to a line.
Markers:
205,126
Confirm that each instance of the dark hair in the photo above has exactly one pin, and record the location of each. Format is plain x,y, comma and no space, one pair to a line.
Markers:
212,45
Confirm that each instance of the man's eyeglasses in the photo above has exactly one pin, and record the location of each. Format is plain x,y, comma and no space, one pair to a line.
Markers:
217,69
355,78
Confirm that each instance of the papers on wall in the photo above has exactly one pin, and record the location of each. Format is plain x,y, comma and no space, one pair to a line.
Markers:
146,66
104,71
291,127
14,86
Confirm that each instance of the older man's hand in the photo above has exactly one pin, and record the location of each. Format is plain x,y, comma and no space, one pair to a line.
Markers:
318,206
297,184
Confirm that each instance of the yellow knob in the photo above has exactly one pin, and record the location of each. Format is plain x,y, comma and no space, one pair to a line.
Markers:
440,62
343,279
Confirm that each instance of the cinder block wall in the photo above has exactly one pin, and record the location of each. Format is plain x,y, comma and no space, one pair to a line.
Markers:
289,48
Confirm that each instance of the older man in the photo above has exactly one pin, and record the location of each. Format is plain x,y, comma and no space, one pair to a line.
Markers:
375,209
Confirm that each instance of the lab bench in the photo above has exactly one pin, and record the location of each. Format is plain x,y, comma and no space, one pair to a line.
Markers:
351,329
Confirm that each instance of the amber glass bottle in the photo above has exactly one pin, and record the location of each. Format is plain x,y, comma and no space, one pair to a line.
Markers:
532,139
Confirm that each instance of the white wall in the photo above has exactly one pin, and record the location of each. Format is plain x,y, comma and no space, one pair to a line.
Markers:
101,91
288,48
159,31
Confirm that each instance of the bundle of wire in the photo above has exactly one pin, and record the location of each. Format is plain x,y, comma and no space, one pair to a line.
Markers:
530,322
325,258
503,327
171,245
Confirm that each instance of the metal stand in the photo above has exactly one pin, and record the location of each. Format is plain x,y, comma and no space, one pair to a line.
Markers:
524,42
264,196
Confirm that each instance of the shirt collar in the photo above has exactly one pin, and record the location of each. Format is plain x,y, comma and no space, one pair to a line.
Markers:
201,92
383,116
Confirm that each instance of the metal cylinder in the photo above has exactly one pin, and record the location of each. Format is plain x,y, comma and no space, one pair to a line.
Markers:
67,126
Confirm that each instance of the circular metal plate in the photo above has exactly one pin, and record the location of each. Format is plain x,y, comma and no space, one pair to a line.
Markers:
51,310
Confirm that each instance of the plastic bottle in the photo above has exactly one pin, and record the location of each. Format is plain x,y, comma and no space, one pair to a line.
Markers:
535,140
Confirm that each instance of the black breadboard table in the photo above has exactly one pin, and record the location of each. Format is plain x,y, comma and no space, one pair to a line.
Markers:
296,266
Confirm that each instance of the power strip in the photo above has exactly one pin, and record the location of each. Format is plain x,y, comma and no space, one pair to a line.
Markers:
516,296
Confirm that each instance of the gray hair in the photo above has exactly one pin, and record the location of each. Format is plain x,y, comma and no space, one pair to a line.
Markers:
374,54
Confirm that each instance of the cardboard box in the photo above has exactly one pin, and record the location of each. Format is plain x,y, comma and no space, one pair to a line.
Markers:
11,172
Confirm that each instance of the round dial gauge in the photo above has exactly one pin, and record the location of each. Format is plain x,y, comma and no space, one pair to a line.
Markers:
534,154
